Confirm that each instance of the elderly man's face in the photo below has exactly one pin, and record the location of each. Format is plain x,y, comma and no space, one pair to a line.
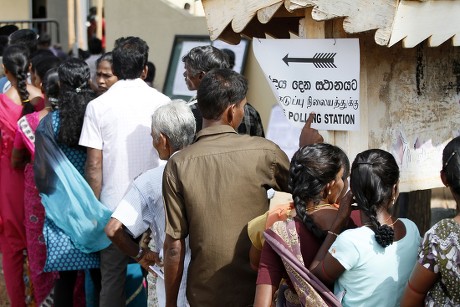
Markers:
192,80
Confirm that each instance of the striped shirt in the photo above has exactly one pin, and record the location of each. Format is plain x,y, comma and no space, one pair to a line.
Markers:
142,207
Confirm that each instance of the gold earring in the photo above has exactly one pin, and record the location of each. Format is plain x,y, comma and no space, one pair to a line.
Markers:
329,193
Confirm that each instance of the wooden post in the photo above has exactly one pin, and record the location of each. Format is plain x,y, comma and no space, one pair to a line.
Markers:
416,206
99,18
71,22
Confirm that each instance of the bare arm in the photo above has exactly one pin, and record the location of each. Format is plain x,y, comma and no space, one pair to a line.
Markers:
174,254
264,295
116,233
93,170
420,282
325,266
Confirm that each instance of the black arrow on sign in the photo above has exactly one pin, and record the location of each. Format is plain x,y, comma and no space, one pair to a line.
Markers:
320,60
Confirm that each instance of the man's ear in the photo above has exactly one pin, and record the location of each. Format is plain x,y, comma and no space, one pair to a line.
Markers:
201,75
144,72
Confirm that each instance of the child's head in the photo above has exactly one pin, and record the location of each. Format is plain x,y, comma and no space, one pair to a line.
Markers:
374,183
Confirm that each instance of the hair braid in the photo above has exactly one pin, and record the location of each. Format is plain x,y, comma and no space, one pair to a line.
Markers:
312,167
374,173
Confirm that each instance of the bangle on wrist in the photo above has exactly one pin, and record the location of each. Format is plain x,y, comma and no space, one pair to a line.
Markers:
140,254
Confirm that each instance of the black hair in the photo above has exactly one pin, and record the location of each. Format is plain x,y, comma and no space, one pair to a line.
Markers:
74,95
150,72
374,173
44,63
25,37
3,43
50,86
130,56
95,45
312,168
204,59
230,56
219,89
105,57
451,164
8,29
16,61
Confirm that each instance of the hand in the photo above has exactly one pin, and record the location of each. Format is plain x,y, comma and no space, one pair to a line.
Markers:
345,209
145,239
150,258
309,135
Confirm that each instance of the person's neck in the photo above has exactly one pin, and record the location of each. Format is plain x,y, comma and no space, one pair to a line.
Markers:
214,122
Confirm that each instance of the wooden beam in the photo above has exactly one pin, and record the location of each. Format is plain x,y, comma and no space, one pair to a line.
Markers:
71,22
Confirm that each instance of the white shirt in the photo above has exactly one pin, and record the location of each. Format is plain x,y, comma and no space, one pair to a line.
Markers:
119,123
142,207
374,276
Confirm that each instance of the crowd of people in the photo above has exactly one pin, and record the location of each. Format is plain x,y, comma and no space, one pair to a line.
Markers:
108,188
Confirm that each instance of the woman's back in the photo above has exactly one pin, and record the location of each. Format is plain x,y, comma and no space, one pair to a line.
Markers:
439,253
374,276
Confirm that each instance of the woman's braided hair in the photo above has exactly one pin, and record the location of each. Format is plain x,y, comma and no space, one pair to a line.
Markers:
74,95
373,175
312,168
16,61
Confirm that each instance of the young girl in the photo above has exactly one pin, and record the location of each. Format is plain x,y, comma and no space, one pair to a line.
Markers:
20,99
369,265
23,154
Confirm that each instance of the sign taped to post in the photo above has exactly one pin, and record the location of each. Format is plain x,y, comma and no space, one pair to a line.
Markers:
314,75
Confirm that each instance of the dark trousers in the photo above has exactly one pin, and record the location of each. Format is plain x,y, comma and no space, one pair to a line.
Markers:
113,271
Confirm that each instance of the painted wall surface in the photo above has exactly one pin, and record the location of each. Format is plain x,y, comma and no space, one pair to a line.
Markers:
410,99
154,21
413,100
15,10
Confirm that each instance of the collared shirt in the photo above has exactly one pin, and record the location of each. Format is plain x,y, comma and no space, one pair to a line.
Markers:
118,123
141,208
212,189
251,123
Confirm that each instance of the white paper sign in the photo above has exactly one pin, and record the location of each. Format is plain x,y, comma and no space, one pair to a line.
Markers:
314,75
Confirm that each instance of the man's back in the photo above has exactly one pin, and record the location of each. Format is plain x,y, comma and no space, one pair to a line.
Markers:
212,189
118,123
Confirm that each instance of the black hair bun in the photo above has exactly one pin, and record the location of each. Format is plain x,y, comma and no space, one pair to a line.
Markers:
384,235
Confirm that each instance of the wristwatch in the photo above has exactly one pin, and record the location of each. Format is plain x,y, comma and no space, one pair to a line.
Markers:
139,254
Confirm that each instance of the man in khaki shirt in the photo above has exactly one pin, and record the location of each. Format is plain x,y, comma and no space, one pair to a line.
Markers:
211,190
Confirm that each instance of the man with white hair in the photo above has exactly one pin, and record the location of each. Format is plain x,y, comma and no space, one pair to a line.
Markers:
173,128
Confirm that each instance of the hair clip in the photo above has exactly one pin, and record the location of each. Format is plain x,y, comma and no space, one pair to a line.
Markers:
450,158
78,89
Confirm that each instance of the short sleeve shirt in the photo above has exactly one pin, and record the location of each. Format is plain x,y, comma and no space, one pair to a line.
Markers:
374,276
119,123
440,253
141,208
212,189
